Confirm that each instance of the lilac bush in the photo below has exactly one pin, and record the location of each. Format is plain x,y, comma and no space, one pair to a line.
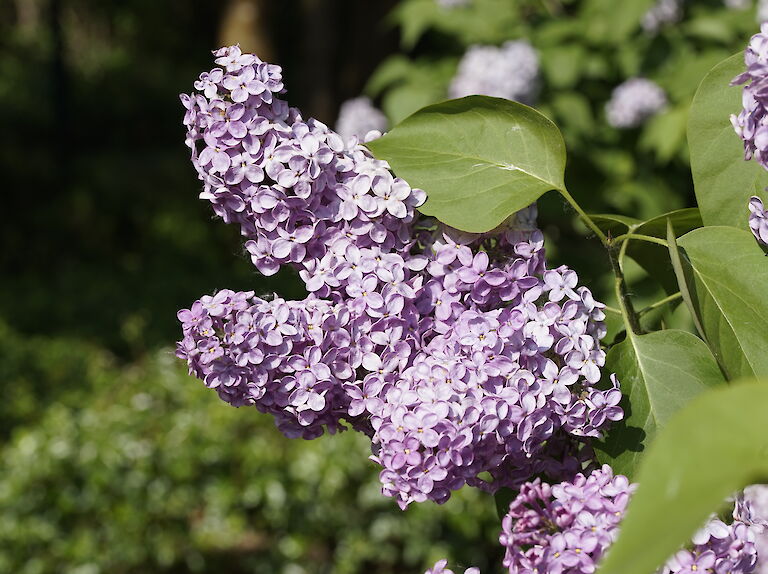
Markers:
567,527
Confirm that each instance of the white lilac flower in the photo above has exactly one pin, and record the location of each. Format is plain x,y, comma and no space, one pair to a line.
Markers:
663,13
762,11
737,4
633,102
510,71
358,117
449,4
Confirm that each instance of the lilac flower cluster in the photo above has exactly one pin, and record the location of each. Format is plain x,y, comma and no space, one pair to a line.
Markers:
663,13
752,122
440,567
458,354
567,527
510,71
358,117
737,4
752,509
450,4
633,102
758,220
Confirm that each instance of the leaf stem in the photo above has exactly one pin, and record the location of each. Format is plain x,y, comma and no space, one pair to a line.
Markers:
613,310
628,313
647,238
586,218
657,304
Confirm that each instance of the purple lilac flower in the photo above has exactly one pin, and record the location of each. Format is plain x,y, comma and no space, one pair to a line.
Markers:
663,13
752,122
752,509
457,354
440,567
510,71
758,220
633,102
358,118
567,528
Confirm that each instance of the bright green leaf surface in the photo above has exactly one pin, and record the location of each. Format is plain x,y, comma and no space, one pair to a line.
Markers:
727,275
479,159
713,447
659,374
723,181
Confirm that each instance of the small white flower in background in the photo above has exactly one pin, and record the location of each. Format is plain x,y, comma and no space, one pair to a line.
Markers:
737,4
510,71
358,117
662,13
633,102
762,11
448,4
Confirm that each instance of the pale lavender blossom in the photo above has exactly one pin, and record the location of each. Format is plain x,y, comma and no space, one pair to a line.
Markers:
510,71
663,13
358,117
752,122
758,220
752,509
633,102
568,527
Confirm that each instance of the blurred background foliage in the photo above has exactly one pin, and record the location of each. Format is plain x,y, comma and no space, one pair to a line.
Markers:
114,460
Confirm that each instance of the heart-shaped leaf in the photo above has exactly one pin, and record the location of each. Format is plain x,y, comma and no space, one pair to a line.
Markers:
713,447
727,277
479,159
659,373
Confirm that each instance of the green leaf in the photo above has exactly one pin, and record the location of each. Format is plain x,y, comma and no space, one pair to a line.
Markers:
682,281
727,275
713,447
659,374
479,159
722,179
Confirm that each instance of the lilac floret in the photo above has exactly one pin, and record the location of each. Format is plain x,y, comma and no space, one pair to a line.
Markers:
758,220
752,122
568,527
752,509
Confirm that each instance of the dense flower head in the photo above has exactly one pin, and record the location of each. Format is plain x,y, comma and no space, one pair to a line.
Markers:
510,71
752,509
633,102
663,13
758,220
358,117
440,567
457,354
752,122
566,528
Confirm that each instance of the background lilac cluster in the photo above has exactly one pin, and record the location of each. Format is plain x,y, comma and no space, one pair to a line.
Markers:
566,528
457,354
510,71
634,101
